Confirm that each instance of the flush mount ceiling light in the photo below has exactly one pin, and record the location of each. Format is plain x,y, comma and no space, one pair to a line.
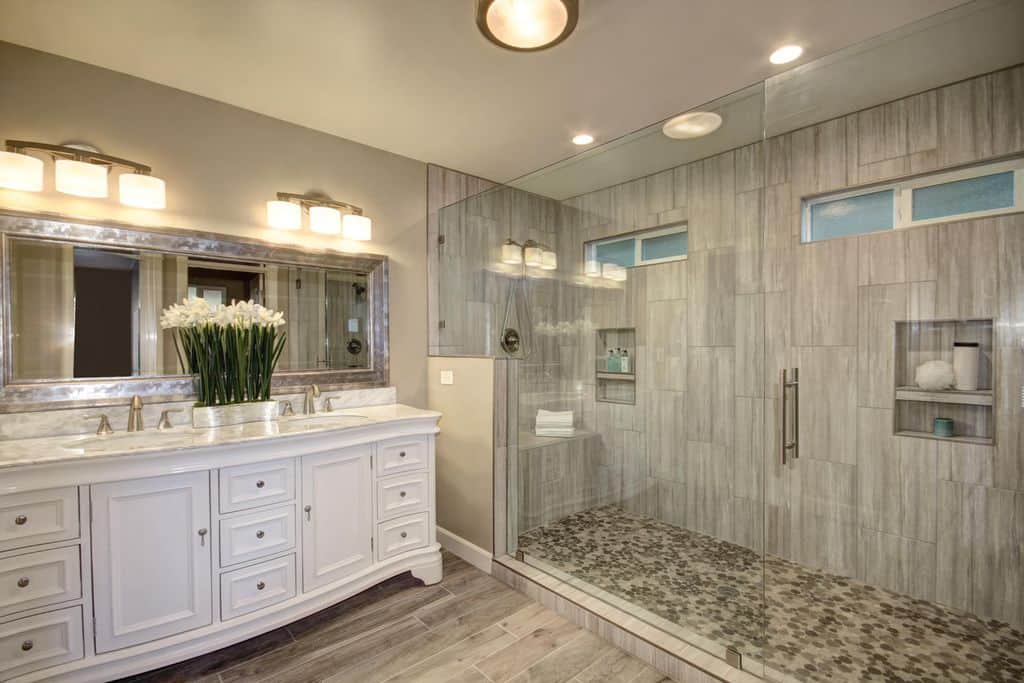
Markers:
786,54
82,171
325,215
583,139
695,124
527,25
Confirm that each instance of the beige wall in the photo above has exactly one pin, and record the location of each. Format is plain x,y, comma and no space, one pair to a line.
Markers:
221,164
465,446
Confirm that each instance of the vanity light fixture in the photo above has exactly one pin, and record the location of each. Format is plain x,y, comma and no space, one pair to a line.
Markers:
82,171
548,260
592,269
613,272
325,215
527,25
532,254
511,252
786,54
693,124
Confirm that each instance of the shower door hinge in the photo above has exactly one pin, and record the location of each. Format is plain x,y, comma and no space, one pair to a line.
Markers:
440,239
440,324
733,658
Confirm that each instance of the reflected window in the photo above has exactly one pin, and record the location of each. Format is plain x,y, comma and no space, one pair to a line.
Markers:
643,248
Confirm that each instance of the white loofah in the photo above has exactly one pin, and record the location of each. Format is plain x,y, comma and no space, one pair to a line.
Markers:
935,375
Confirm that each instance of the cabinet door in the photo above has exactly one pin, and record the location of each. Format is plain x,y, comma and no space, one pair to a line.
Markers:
337,515
151,558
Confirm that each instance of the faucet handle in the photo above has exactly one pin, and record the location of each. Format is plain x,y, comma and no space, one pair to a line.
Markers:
287,410
165,419
328,405
104,427
316,390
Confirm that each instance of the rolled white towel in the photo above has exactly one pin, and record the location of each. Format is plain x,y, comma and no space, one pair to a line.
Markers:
555,432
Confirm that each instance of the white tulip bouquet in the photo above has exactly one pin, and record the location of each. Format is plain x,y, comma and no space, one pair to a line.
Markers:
231,351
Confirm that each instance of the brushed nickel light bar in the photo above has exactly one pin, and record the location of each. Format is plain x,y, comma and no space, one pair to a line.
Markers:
325,215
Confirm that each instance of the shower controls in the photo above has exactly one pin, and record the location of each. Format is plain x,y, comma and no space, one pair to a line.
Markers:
510,341
789,447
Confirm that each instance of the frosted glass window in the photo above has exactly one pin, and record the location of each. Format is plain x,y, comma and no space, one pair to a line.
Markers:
984,193
620,252
871,212
672,245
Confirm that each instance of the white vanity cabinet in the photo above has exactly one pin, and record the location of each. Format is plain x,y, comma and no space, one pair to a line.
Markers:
151,558
337,515
118,565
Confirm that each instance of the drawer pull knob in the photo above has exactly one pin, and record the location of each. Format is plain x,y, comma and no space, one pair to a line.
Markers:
202,536
402,494
20,520
27,645
307,510
23,582
402,454
260,586
259,534
260,484
404,534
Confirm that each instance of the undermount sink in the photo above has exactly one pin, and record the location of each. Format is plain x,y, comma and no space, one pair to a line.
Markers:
320,419
117,442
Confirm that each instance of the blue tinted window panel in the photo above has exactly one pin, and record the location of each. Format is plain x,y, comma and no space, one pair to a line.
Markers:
864,213
621,252
984,193
672,245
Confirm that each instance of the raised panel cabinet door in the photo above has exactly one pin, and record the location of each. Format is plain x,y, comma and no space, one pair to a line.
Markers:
152,568
337,515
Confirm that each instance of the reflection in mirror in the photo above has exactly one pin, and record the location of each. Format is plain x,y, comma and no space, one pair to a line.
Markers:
81,311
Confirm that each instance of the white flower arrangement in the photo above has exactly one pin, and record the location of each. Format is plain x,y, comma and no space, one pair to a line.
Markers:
230,350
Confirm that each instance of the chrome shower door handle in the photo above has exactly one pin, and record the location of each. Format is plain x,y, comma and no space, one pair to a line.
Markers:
787,446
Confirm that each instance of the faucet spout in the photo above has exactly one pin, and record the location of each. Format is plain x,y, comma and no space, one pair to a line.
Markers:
309,407
135,415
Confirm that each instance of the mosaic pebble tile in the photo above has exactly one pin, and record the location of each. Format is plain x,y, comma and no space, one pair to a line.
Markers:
804,623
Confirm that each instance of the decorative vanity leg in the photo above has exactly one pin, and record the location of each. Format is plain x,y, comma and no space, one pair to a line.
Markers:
430,572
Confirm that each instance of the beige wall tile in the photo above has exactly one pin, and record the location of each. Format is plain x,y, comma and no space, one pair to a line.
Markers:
710,394
879,306
1007,105
828,403
711,314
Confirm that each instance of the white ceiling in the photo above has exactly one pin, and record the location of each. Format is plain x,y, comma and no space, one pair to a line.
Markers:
415,77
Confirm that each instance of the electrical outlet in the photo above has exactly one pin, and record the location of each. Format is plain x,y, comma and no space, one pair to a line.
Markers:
447,377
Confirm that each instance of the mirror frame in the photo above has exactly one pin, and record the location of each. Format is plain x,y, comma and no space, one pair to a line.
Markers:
31,395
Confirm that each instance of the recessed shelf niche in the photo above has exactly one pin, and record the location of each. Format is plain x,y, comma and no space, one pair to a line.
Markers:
972,412
615,385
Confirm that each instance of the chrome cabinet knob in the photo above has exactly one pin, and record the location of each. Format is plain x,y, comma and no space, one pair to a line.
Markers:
23,582
260,585
260,484
202,536
259,534
20,520
27,645
404,534
307,510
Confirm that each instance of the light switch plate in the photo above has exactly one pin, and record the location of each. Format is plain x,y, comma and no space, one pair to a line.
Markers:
447,377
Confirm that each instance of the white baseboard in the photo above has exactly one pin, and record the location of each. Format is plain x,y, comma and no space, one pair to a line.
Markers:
473,554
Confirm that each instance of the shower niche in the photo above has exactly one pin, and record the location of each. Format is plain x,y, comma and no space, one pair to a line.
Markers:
615,370
970,410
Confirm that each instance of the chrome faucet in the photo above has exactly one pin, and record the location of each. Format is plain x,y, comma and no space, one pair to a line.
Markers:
135,415
310,405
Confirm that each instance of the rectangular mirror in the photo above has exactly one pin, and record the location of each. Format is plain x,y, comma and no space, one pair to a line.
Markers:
89,310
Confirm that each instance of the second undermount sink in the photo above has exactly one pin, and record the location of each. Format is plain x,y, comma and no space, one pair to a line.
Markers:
123,440
318,420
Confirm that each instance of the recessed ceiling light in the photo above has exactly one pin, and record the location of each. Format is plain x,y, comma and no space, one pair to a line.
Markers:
786,54
527,25
582,139
692,125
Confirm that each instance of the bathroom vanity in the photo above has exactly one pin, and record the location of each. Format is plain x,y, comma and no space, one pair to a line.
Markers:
123,553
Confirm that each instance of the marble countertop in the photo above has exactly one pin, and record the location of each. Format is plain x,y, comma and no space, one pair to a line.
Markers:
54,449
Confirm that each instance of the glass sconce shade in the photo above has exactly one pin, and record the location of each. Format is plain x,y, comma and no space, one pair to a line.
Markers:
356,227
549,260
21,172
511,253
533,255
80,178
592,269
142,191
282,215
613,271
324,220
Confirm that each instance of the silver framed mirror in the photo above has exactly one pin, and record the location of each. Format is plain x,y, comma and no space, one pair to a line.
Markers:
81,303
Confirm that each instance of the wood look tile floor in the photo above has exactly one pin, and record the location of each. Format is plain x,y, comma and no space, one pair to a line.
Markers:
470,628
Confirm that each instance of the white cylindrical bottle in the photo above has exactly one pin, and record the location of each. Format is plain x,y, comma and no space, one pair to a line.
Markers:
965,365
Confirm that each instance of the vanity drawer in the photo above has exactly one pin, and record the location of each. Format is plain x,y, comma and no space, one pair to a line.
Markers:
250,486
252,588
403,455
402,494
39,579
40,641
36,517
257,534
402,534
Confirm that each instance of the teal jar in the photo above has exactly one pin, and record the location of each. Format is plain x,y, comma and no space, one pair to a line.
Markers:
942,426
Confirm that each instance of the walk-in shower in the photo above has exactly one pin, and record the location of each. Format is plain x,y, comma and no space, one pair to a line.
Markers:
735,324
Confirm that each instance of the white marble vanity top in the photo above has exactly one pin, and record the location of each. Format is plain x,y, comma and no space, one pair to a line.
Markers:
54,449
